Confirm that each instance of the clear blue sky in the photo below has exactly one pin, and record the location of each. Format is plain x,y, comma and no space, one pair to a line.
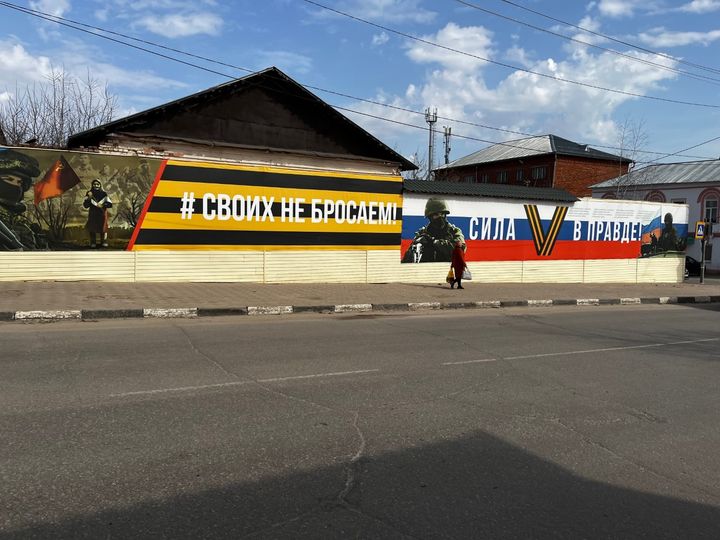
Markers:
332,51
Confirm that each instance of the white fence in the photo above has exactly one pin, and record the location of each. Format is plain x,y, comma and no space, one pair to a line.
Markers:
351,266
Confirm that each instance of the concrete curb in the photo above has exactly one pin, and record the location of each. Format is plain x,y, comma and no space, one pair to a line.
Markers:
198,312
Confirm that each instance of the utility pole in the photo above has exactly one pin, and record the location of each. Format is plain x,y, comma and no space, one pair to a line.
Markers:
447,131
431,118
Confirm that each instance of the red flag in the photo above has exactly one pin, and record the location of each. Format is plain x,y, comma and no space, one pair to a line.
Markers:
59,178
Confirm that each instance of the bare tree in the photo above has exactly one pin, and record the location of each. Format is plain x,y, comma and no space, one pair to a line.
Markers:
421,172
48,113
131,209
632,137
54,214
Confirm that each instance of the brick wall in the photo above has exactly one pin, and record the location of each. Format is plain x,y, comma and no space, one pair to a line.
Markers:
576,174
573,174
473,173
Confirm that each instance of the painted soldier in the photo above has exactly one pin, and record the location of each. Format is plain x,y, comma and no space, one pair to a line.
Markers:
17,171
669,240
435,241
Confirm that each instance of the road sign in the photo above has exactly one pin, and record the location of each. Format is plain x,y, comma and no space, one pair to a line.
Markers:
699,230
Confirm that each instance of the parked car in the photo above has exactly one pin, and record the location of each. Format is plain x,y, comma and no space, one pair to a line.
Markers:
692,266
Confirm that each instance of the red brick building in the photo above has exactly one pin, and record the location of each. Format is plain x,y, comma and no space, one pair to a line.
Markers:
544,161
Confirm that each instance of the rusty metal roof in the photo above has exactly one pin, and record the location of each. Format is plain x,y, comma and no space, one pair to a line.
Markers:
532,146
691,172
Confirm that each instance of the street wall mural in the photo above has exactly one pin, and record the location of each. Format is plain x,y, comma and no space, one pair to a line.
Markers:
198,206
61,200
497,230
72,200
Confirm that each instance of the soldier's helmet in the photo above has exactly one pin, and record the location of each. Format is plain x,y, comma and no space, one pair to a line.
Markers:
436,206
16,167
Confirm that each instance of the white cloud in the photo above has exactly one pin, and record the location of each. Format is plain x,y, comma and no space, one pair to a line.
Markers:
475,40
118,77
659,37
391,11
518,55
285,60
53,7
18,66
182,25
701,6
380,39
616,8
521,101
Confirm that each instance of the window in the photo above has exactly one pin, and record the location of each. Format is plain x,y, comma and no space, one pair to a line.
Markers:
468,179
656,196
711,210
502,177
484,178
519,176
538,173
678,201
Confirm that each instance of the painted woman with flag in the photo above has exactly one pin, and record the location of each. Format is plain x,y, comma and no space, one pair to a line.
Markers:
97,202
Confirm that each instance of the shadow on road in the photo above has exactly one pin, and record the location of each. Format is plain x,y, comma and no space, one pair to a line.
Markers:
477,486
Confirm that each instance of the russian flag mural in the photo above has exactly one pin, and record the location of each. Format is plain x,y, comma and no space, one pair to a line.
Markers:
508,230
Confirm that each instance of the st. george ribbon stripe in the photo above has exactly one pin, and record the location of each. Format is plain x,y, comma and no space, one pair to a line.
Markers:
555,224
535,226
260,238
174,173
171,205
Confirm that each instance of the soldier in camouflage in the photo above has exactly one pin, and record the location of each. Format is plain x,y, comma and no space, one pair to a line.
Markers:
435,241
17,171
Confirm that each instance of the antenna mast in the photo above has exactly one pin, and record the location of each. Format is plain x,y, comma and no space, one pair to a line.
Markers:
431,118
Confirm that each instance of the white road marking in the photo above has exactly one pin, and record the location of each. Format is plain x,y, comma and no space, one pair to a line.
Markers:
610,349
239,383
319,375
179,389
469,362
587,351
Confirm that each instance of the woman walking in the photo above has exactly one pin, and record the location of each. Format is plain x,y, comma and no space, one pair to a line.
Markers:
458,264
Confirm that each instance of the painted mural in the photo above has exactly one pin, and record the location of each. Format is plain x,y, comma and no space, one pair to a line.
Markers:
199,206
62,200
497,230
72,200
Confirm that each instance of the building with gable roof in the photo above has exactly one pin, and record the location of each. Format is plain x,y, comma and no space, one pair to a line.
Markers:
695,183
263,117
544,161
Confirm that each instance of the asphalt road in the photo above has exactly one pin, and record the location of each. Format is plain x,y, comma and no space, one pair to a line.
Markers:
597,422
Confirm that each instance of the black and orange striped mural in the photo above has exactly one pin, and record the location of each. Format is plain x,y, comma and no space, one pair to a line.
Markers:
210,206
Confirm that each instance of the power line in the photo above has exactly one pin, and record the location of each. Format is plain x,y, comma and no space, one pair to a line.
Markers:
679,152
610,38
60,21
70,24
703,78
510,66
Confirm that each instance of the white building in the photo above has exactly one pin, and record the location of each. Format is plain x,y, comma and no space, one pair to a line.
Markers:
695,183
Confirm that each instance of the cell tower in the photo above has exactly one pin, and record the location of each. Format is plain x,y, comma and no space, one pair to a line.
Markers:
447,131
431,118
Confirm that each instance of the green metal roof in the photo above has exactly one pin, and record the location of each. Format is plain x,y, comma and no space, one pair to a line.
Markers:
496,191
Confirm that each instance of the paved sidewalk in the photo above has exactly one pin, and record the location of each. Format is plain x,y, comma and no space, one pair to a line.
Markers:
102,300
